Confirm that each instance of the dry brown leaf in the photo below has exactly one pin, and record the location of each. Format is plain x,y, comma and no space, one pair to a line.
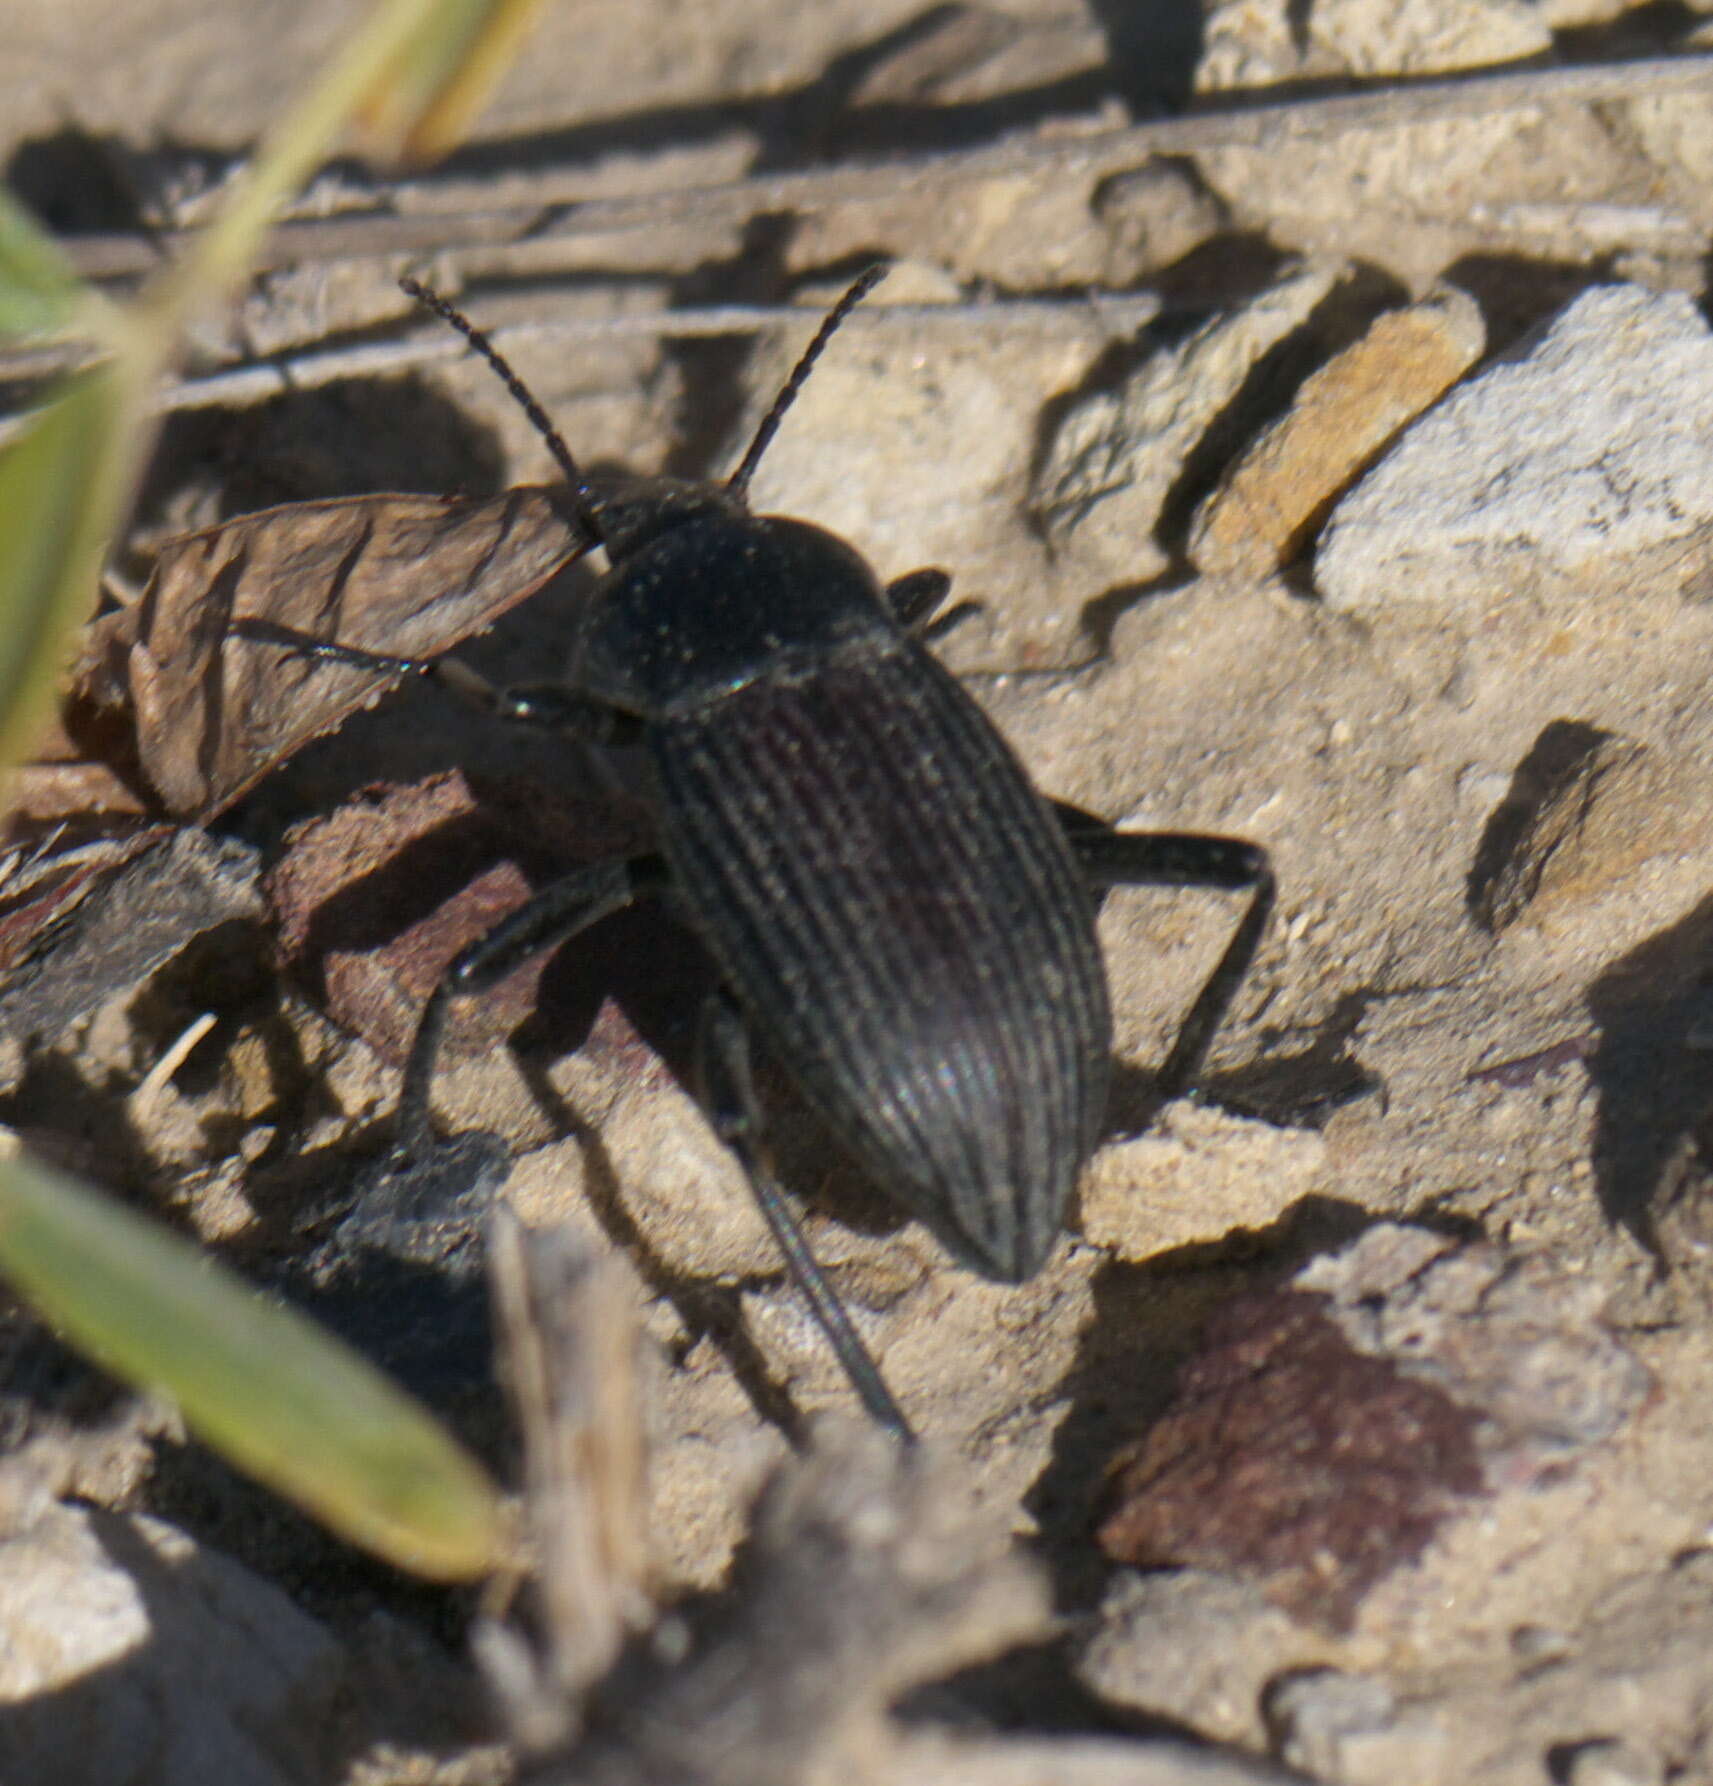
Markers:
408,575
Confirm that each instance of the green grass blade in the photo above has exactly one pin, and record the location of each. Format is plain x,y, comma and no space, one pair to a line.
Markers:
427,99
292,1407
39,292
59,485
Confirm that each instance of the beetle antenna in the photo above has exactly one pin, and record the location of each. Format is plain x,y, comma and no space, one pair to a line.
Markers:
738,482
582,497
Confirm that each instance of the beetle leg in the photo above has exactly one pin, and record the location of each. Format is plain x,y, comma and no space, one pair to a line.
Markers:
1185,859
547,704
562,709
552,917
727,1091
915,597
267,632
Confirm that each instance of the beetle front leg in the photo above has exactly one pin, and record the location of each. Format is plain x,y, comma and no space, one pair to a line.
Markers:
915,597
727,1091
1185,859
553,916
547,704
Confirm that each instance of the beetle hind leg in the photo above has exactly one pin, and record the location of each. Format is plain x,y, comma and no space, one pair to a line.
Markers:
727,1091
1185,859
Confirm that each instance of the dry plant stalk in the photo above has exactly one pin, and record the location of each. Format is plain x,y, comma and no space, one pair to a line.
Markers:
568,1346
867,1571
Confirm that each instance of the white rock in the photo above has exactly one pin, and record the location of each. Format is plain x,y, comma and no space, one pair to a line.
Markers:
1249,43
129,1657
1193,1648
1584,456
1348,1727
1373,37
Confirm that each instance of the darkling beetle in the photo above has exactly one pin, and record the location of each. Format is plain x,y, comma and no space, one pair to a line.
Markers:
893,907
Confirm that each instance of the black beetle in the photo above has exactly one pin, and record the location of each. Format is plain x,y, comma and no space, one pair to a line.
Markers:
907,922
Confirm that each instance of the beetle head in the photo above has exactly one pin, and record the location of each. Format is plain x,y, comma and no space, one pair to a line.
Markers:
637,511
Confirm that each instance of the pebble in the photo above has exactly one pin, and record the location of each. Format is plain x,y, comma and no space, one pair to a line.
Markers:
131,1655
1585,808
1341,417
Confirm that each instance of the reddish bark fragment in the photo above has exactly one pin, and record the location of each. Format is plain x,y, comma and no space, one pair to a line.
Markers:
375,900
1290,1458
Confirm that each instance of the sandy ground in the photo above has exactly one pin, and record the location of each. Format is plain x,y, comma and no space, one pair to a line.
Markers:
1521,1073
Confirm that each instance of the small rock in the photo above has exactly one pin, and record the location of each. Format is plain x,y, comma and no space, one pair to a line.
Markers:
1324,1432
1250,43
1200,1174
1374,37
132,1658
1155,214
1511,1338
1348,1727
1193,1648
1584,809
1583,457
1118,453
1612,1761
1341,417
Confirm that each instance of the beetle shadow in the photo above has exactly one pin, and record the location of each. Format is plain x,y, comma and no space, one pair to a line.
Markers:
1651,1066
1298,1088
350,437
707,1308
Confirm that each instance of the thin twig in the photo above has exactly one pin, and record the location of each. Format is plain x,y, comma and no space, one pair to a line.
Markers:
257,381
418,219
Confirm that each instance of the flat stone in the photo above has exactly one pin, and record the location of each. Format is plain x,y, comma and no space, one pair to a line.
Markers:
1199,1175
1118,453
1582,459
1506,1332
1252,43
1192,1647
1372,37
1585,809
